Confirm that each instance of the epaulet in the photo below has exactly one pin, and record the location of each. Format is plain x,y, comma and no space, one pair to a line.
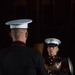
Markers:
59,58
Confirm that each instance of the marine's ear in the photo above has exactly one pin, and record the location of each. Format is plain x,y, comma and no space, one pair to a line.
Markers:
26,34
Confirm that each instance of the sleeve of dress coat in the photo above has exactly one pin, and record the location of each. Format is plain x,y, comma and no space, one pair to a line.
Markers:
40,67
0,71
1,56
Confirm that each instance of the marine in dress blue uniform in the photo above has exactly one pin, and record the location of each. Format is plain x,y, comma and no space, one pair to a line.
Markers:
19,59
54,64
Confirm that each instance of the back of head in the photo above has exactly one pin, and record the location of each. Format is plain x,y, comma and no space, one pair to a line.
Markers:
19,28
18,33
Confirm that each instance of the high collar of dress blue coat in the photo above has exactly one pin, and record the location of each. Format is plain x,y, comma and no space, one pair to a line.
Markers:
18,43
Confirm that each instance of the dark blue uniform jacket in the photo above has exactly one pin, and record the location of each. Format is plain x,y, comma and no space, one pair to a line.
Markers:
21,60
